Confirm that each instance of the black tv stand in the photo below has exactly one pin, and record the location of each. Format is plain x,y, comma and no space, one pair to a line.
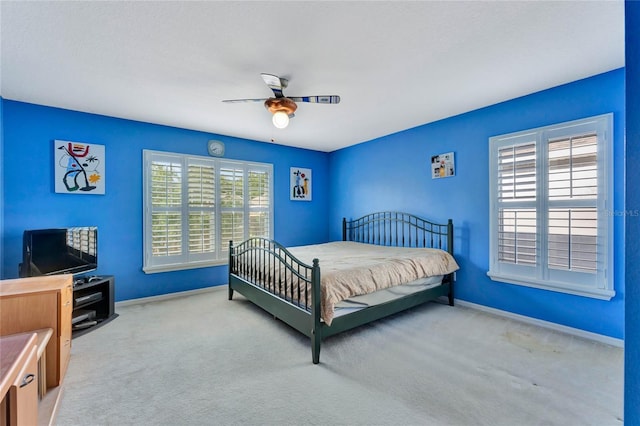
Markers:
93,303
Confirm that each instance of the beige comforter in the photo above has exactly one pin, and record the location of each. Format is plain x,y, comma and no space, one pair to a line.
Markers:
350,269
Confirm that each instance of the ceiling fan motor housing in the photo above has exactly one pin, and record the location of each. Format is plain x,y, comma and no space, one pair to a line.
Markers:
280,104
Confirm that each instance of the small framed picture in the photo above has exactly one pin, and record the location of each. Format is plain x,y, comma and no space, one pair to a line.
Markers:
442,165
300,184
79,167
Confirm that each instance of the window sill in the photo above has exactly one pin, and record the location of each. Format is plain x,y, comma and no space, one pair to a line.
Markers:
181,266
595,293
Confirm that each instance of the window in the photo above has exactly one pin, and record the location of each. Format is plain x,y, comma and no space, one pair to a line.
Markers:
194,205
550,194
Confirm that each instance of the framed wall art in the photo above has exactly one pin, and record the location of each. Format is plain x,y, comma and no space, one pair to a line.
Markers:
79,167
300,184
442,165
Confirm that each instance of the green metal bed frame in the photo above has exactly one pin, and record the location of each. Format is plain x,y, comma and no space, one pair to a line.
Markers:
293,293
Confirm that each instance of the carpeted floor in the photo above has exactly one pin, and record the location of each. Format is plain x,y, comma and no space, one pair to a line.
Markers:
204,360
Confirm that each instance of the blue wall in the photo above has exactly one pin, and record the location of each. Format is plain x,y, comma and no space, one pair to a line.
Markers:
632,305
1,182
31,203
388,173
393,173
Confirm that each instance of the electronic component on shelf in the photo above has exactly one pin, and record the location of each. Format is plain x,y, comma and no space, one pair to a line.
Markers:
85,324
86,299
80,315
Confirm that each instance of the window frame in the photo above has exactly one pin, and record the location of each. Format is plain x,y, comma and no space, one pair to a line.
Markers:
599,285
219,256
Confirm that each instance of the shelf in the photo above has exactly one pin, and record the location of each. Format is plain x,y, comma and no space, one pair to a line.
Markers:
48,406
82,332
93,304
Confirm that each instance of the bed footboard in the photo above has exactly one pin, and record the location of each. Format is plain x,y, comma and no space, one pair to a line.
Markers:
267,274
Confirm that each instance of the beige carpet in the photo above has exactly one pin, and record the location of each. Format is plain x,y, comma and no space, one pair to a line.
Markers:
204,360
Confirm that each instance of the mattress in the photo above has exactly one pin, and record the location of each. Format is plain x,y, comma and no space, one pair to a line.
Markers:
357,303
350,269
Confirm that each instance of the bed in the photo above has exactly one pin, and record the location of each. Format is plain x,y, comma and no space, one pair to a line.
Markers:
387,262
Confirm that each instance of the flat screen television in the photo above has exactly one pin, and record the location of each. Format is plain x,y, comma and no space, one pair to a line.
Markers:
59,251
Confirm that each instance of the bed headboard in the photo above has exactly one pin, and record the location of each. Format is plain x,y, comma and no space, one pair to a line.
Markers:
398,229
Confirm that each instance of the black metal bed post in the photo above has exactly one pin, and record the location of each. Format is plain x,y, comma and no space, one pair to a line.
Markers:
450,237
344,229
450,250
316,330
231,269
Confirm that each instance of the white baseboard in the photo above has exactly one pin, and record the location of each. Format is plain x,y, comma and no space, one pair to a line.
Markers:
612,341
168,296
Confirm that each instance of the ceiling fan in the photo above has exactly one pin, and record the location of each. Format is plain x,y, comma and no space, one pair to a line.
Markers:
283,107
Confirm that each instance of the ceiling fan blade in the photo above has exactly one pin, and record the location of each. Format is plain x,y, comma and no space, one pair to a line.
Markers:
333,99
275,83
237,101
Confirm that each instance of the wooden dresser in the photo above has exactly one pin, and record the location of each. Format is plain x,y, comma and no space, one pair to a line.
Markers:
18,369
29,304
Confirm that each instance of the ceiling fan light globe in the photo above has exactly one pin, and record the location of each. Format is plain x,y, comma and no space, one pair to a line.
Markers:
280,119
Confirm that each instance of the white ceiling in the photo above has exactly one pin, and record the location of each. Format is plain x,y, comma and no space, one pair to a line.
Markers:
395,64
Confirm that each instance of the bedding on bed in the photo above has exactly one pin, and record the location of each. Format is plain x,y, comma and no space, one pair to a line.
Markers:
385,295
350,269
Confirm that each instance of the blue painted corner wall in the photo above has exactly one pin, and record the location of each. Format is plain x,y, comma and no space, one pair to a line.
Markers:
1,183
30,201
388,173
393,173
632,232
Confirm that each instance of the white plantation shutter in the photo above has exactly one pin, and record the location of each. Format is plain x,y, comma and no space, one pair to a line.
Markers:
201,195
550,192
166,202
573,168
573,244
517,222
517,236
245,202
517,172
573,203
195,205
259,202
232,204
166,237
